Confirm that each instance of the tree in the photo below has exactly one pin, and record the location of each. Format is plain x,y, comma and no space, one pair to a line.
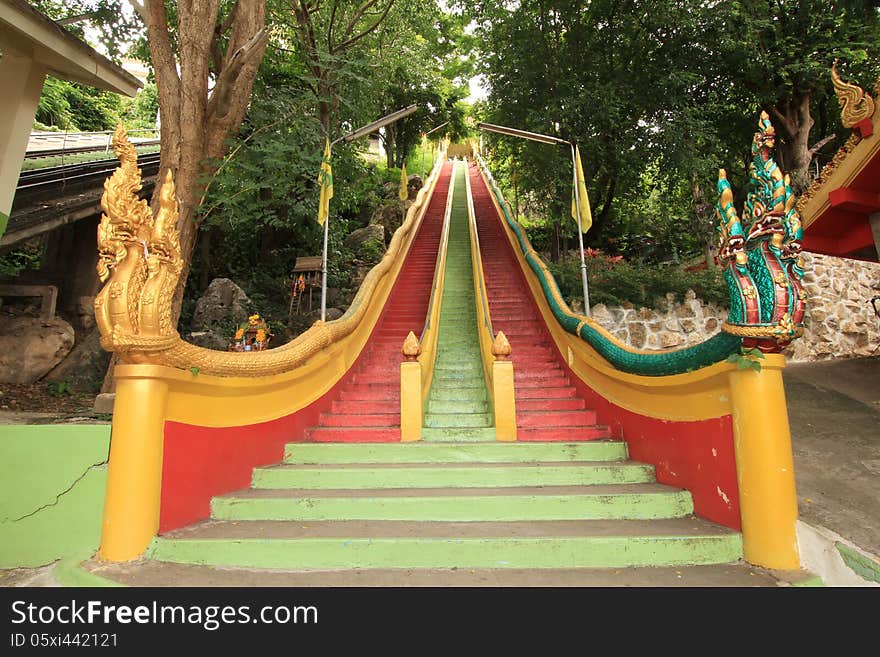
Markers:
218,47
779,54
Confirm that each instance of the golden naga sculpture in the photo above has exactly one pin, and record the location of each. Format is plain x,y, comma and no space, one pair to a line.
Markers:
139,262
855,104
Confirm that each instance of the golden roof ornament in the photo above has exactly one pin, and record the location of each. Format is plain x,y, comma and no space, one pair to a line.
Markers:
856,104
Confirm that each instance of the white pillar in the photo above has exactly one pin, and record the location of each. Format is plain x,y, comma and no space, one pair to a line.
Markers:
21,80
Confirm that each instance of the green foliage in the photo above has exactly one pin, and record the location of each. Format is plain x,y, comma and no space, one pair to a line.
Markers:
747,358
114,21
23,258
140,112
638,283
74,107
59,388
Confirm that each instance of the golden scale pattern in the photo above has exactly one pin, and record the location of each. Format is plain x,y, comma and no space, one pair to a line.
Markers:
139,259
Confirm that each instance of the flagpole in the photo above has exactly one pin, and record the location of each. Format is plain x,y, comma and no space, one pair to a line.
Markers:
577,201
324,271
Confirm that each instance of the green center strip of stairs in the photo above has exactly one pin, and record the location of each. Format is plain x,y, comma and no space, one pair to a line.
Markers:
458,402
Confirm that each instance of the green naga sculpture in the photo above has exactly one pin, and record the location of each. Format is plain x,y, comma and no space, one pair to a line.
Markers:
761,252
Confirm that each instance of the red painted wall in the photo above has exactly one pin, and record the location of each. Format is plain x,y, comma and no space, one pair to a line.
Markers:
697,456
201,462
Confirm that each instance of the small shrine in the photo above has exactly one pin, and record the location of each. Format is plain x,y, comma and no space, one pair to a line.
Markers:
252,335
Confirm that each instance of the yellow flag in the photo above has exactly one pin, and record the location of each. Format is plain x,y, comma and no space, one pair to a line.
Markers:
586,215
403,194
325,179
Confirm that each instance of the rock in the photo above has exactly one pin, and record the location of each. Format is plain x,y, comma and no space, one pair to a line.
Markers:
637,334
86,312
688,325
104,402
331,314
368,243
388,216
670,339
30,347
711,324
576,306
85,366
600,313
208,339
222,307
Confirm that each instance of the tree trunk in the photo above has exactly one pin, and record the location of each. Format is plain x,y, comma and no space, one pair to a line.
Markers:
797,122
196,122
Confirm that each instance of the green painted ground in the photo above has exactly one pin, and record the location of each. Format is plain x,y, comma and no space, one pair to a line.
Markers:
458,402
52,479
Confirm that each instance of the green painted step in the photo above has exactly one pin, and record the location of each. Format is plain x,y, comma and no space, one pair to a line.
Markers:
458,420
450,475
458,434
458,406
458,369
489,452
638,501
576,552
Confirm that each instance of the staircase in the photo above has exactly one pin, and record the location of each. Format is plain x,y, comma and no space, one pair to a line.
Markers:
446,513
368,407
458,403
562,506
548,407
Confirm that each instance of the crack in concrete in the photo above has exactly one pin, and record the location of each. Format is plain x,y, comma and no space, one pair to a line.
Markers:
57,497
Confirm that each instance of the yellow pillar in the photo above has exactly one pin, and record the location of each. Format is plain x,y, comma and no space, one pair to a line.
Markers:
134,477
410,401
764,466
504,399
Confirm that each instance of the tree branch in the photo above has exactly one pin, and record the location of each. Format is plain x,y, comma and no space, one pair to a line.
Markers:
219,102
819,144
350,42
786,123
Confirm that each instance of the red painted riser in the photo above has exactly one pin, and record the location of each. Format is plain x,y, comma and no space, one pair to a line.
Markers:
202,462
697,456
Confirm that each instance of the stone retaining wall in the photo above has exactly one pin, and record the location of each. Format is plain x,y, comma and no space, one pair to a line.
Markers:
840,320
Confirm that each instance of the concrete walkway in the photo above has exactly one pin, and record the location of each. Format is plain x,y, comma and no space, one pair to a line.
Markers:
834,411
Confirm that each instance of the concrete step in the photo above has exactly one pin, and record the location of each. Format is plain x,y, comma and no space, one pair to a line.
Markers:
436,475
420,452
146,573
619,502
465,420
596,544
555,419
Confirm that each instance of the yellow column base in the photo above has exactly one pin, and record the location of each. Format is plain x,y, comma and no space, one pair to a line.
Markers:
134,476
764,466
410,401
504,399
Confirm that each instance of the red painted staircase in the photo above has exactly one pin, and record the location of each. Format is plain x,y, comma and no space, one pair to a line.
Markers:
367,409
548,407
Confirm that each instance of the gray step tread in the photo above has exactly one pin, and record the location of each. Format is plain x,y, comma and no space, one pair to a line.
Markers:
283,529
594,489
157,573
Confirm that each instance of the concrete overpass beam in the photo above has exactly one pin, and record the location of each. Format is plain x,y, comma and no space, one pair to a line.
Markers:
21,79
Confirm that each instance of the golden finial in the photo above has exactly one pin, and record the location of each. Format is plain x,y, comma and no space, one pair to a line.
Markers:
501,347
855,104
411,347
